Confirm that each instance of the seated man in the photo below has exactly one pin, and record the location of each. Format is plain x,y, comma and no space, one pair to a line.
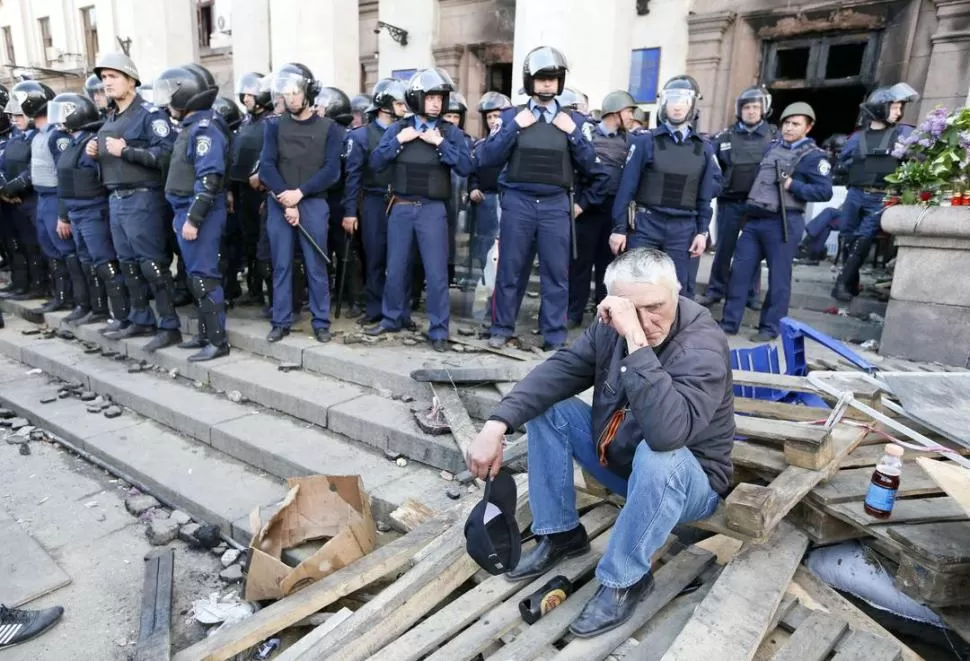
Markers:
660,431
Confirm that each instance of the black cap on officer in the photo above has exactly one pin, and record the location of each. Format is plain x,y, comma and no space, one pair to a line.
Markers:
492,536
183,89
75,112
229,111
252,84
335,104
425,82
756,94
386,92
32,97
544,62
681,87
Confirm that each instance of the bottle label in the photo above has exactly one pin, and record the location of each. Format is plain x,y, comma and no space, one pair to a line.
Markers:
551,600
880,498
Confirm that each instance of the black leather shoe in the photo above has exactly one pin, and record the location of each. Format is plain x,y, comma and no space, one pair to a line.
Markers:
131,330
610,607
77,313
553,346
439,345
91,317
378,330
277,333
209,352
165,337
409,325
547,553
322,335
367,321
194,342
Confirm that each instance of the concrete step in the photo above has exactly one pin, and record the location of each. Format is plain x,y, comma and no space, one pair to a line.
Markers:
279,444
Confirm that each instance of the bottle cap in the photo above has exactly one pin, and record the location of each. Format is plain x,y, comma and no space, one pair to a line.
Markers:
894,450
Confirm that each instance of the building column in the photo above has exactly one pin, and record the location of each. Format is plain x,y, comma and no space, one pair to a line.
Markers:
164,34
706,33
250,37
420,19
949,67
369,65
322,35
449,59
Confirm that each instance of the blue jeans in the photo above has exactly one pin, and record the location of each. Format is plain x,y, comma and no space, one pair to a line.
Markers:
664,489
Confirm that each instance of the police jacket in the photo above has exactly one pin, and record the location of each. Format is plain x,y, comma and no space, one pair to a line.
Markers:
15,164
640,159
611,150
45,149
809,169
739,152
247,143
452,153
484,179
867,156
79,186
149,136
202,148
271,161
359,175
507,147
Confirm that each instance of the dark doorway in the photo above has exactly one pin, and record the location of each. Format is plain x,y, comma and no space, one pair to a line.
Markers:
499,78
836,108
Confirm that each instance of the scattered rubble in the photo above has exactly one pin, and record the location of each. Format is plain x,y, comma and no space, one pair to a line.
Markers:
17,423
235,396
446,476
161,531
112,412
402,462
288,367
453,492
141,503
88,396
49,399
230,557
232,574
180,517
188,531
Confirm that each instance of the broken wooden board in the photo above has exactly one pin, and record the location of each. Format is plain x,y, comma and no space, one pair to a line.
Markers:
734,617
26,570
472,375
764,408
853,484
864,646
814,639
462,428
411,514
805,446
934,563
657,635
277,616
155,622
953,479
758,457
482,345
869,455
907,510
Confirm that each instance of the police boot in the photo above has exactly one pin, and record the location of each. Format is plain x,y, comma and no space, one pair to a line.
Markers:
38,279
850,270
97,297
180,288
198,340
299,286
61,300
79,289
160,282
265,271
211,319
114,285
19,277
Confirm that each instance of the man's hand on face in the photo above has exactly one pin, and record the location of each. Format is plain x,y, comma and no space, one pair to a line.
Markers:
621,315
484,456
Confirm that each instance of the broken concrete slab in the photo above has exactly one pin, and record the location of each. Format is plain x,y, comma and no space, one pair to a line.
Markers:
187,532
180,517
138,505
161,531
231,574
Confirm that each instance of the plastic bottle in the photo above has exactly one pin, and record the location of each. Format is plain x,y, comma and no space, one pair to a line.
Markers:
885,483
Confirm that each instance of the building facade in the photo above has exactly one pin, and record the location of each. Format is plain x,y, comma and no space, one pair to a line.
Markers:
828,52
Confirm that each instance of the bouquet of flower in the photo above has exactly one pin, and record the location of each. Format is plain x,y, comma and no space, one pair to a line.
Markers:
936,159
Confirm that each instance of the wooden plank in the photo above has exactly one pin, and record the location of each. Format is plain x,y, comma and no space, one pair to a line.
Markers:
656,637
483,346
779,430
953,479
869,455
853,483
411,514
463,430
27,571
907,510
791,412
775,381
865,646
473,375
758,457
822,527
777,634
155,622
438,628
812,592
814,639
293,608
732,620
670,580
938,543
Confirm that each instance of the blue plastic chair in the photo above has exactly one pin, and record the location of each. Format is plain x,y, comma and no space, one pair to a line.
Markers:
764,358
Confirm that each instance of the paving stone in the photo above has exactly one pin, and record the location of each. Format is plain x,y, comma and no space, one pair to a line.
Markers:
6,414
187,532
161,531
49,400
88,396
112,412
180,517
231,574
138,505
229,557
17,423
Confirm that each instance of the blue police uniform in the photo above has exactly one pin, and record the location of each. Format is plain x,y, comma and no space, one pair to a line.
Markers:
303,155
201,150
46,147
28,265
817,230
739,151
762,236
672,176
540,162
138,210
866,157
366,198
484,223
344,250
418,215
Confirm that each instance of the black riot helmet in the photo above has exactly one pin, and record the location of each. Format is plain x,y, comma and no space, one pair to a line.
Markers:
755,94
206,75
359,103
386,92
876,107
252,84
295,77
834,144
335,104
4,98
32,97
544,62
229,111
425,82
183,90
493,101
457,105
679,88
73,111
92,86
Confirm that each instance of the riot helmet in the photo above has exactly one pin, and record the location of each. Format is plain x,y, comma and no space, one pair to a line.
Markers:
755,94
877,106
428,82
4,98
681,89
295,78
544,62
94,89
146,92
32,98
386,92
229,111
569,99
493,101
73,111
335,104
457,106
359,103
252,84
183,90
118,62
835,143
616,101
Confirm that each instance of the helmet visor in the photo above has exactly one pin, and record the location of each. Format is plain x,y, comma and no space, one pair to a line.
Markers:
250,84
59,111
288,84
163,91
677,97
13,107
903,93
753,96
545,61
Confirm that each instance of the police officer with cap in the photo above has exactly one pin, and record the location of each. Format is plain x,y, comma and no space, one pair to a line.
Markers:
299,163
739,151
133,148
422,151
83,208
609,138
540,145
806,176
195,187
366,190
868,158
671,174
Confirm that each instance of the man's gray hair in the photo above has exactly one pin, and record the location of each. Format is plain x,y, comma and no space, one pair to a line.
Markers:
643,265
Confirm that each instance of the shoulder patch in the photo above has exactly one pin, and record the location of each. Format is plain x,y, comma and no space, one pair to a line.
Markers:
588,131
725,146
629,154
62,143
150,107
161,127
350,147
203,144
824,167
205,121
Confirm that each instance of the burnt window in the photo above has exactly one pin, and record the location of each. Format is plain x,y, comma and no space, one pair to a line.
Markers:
792,63
825,60
845,60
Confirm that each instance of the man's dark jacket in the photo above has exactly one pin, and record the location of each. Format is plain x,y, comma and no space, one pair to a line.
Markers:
683,397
